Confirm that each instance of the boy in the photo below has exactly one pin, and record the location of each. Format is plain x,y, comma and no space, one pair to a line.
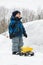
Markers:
16,30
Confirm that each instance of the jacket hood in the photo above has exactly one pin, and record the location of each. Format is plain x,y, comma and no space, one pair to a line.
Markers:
16,18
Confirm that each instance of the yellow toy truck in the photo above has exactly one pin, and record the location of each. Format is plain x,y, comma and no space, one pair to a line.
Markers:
26,51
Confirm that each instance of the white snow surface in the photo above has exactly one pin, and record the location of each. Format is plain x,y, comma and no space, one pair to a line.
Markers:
34,31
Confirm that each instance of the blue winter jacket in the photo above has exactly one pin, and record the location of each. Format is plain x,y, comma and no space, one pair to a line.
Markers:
16,28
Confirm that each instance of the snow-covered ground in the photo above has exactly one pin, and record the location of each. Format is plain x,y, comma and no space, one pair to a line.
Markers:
35,39
35,35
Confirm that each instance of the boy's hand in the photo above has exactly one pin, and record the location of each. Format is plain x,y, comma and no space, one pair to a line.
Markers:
25,35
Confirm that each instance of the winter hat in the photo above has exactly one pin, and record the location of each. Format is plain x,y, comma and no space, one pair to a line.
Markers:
15,12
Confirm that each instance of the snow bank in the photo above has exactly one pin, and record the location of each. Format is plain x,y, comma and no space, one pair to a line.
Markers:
5,45
35,34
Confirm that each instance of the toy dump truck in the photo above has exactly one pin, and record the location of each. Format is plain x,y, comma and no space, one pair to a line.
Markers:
26,51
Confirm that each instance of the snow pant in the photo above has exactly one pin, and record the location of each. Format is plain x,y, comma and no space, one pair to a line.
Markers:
17,43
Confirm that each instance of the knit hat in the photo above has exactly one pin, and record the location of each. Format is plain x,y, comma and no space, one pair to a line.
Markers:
15,12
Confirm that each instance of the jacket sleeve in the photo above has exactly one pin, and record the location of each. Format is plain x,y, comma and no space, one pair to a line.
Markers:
11,25
10,29
23,29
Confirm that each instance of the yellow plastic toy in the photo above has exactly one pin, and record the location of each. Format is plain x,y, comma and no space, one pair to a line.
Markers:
26,51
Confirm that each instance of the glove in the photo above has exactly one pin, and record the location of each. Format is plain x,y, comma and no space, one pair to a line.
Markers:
11,35
25,35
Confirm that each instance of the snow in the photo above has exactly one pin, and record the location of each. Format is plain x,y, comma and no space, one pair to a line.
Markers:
35,39
5,45
16,60
35,35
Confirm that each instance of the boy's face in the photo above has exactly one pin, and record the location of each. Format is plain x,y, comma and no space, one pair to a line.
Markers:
18,15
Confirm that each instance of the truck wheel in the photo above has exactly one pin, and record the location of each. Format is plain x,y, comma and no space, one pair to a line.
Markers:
26,54
20,54
32,54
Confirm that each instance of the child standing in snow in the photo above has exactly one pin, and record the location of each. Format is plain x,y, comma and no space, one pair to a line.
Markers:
16,31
